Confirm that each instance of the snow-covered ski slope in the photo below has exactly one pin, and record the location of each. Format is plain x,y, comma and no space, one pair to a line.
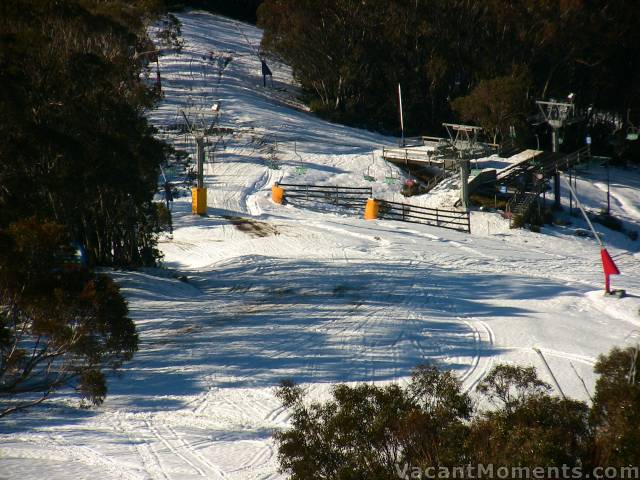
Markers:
281,292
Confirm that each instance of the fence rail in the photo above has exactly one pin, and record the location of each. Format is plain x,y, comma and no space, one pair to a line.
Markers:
355,198
348,197
437,217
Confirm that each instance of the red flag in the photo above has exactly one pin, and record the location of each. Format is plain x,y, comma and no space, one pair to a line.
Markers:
608,264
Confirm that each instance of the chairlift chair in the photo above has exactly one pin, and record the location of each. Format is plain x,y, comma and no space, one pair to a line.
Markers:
367,176
300,168
391,179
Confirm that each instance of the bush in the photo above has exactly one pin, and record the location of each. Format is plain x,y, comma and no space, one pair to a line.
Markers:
367,430
609,221
60,324
615,413
412,187
488,202
517,221
540,431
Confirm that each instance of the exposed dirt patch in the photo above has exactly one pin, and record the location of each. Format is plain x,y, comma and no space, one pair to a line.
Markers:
252,227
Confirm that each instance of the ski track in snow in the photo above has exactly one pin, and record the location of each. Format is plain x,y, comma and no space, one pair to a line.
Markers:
317,296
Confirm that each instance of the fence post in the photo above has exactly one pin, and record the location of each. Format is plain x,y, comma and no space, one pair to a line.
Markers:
437,218
306,192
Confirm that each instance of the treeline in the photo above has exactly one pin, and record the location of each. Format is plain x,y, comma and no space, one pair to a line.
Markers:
350,55
430,428
78,171
75,147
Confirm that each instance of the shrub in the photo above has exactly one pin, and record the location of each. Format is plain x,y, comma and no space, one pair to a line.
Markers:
517,221
488,202
365,431
616,408
60,324
609,221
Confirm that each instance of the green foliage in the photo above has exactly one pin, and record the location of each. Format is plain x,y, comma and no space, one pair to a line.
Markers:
510,386
496,104
366,430
528,427
60,323
170,32
350,55
540,430
616,408
373,432
517,221
76,148
608,221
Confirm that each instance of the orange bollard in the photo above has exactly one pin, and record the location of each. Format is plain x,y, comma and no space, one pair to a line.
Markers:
371,209
277,194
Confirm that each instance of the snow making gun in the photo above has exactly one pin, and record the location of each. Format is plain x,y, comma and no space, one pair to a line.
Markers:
608,265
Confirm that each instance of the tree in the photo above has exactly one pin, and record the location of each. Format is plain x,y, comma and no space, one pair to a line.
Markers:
60,324
382,432
616,408
241,9
511,386
349,56
496,104
367,431
77,148
529,428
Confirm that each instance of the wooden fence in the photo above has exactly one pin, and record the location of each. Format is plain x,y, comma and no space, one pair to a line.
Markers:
347,197
437,217
355,198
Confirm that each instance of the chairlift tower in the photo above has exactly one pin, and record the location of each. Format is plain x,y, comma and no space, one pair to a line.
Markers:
199,125
464,140
558,115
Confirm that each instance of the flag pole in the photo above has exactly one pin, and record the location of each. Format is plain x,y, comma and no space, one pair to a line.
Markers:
401,116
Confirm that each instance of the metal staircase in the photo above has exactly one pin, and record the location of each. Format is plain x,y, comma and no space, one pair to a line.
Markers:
520,204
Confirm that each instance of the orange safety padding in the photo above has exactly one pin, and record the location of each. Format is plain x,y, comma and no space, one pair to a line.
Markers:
277,194
371,209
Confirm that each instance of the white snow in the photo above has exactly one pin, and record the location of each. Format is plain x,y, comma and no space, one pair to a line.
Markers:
315,296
